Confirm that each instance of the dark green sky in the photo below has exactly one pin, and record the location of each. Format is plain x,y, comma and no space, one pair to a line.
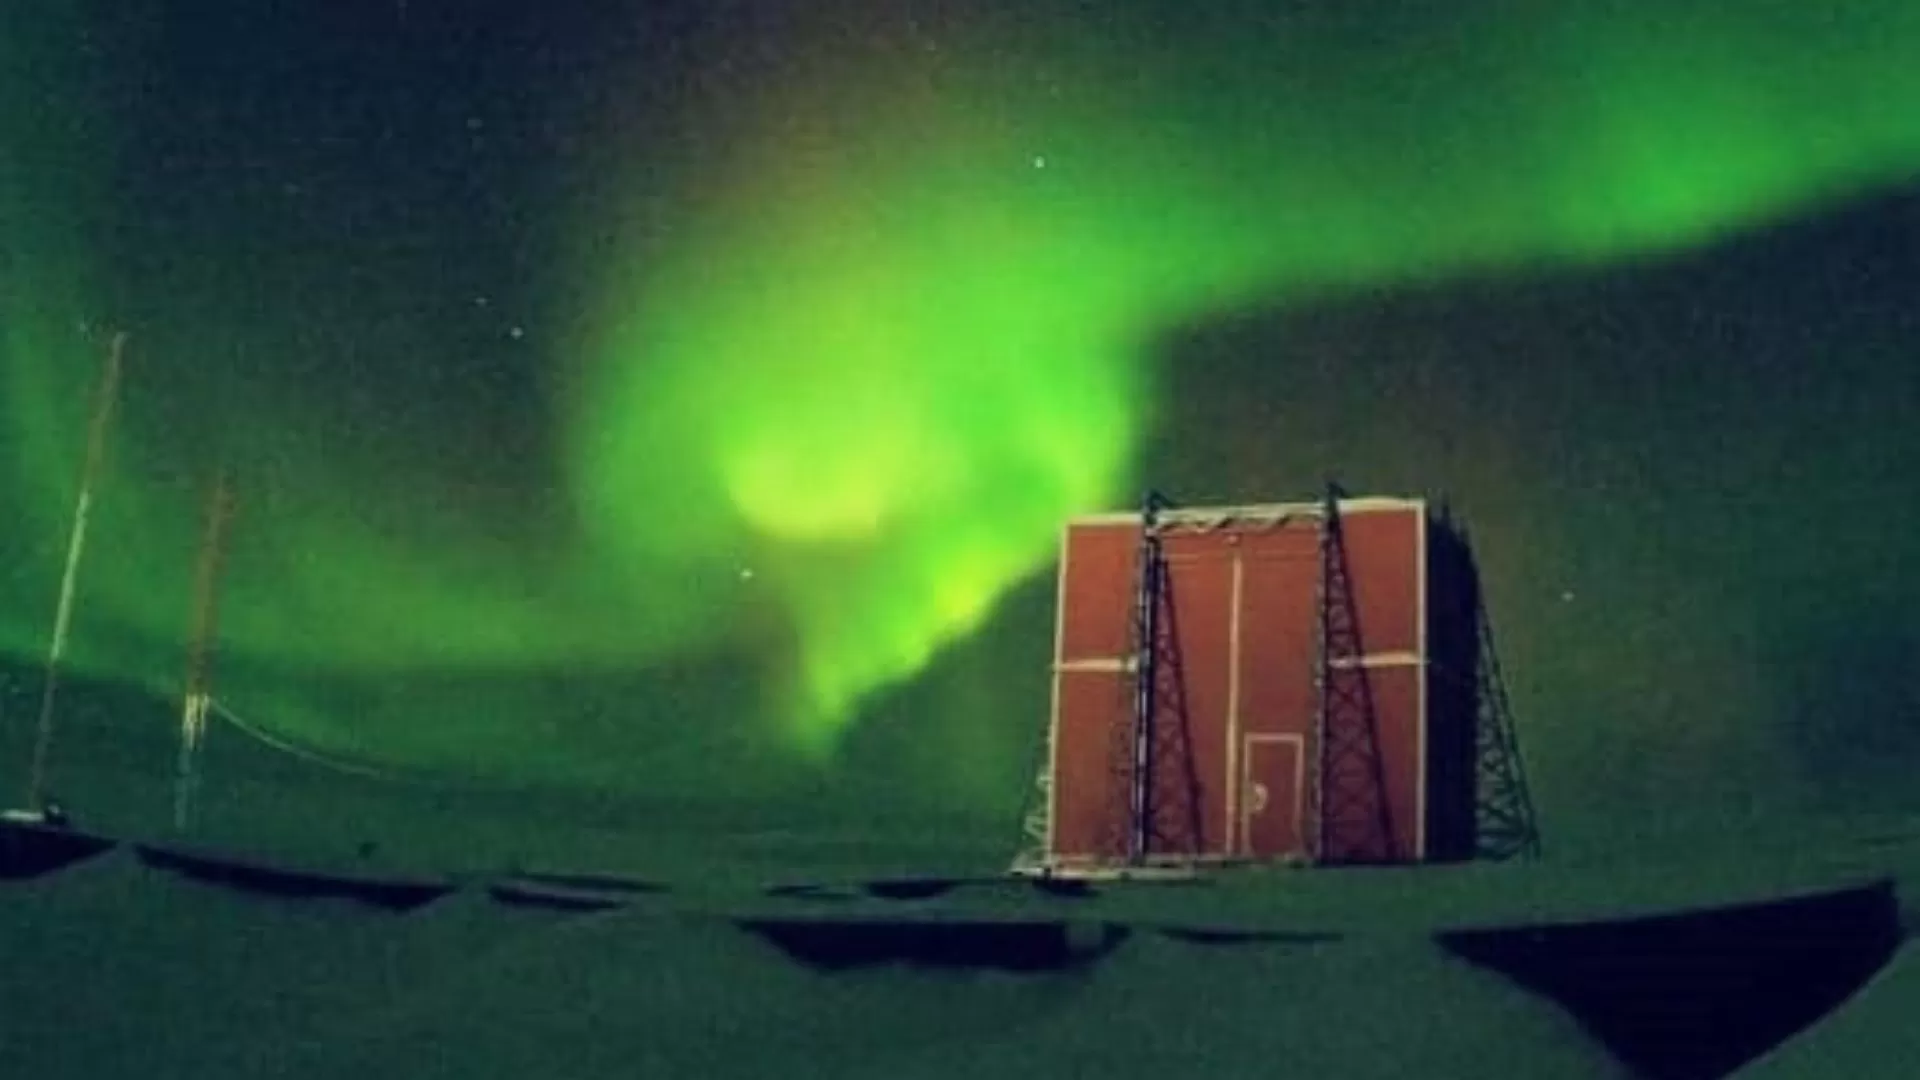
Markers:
686,396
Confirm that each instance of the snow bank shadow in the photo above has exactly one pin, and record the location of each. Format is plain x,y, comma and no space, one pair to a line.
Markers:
1696,995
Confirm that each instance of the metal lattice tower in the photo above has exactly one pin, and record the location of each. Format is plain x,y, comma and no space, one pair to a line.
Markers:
1504,821
1170,787
1036,818
1352,823
1153,786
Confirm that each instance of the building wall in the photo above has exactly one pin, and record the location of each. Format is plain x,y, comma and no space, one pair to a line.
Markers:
1453,693
1241,629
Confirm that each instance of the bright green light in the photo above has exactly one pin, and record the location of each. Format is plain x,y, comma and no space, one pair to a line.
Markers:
894,322
880,325
900,401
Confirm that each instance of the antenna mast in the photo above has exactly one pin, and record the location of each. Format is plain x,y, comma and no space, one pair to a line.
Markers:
105,397
197,698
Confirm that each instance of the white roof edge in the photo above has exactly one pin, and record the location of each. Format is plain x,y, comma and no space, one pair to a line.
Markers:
1186,514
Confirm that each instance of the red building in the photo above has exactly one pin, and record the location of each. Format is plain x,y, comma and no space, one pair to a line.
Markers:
1290,682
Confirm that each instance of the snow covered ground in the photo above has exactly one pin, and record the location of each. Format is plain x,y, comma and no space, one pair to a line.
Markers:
316,925
141,961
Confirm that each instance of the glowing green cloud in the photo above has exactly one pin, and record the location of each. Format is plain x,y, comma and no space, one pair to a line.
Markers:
898,333
883,405
888,316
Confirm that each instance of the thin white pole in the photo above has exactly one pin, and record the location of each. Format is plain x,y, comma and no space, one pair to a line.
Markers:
108,393
198,695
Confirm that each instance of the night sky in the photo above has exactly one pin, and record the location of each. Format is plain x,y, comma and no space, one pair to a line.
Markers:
685,397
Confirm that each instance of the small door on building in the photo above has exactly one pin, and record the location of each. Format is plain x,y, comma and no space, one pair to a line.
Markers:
1272,796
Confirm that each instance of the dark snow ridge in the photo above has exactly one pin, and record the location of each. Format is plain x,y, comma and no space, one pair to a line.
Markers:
1697,994
27,851
390,894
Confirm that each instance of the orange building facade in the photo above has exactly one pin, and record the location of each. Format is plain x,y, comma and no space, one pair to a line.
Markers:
1301,685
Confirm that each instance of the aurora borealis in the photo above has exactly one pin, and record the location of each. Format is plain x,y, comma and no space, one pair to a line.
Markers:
750,359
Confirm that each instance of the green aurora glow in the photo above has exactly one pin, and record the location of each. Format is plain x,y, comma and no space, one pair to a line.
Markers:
877,323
